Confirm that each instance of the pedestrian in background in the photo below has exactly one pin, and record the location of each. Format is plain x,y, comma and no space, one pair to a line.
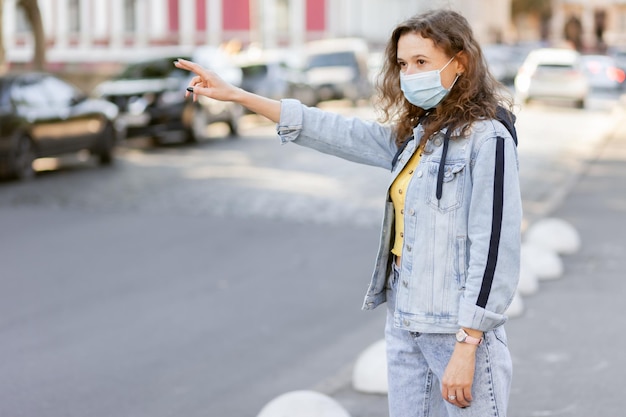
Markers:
448,261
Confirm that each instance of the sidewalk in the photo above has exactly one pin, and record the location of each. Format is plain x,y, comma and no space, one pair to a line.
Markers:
568,345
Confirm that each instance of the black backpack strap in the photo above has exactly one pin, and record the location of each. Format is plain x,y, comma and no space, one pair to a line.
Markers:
442,163
508,120
401,148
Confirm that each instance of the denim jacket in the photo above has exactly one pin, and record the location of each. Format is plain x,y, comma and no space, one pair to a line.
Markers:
461,254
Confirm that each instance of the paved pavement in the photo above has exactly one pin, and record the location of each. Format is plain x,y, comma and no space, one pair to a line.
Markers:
568,345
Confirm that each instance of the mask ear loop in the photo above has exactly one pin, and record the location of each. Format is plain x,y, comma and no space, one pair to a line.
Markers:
447,63
454,82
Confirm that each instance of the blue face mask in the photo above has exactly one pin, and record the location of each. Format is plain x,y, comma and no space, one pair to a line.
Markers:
424,89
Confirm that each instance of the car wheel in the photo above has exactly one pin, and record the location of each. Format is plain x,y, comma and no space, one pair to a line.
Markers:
233,122
107,145
22,159
197,130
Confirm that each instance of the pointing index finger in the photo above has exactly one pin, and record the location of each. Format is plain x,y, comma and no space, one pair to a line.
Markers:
188,65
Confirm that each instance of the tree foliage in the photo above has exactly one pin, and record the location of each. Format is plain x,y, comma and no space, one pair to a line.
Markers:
33,16
3,64
540,8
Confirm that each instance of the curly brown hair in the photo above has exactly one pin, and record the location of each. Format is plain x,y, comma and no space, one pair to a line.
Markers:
475,95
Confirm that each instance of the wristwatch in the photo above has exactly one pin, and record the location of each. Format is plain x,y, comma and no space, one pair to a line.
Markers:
463,337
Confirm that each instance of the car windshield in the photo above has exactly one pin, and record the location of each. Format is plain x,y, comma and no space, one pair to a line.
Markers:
335,59
162,68
254,71
555,66
5,93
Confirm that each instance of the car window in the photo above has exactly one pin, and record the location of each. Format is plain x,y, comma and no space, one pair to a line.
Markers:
254,71
556,66
5,93
161,68
335,59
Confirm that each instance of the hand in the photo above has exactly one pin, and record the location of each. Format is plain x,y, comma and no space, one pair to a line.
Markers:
456,384
207,83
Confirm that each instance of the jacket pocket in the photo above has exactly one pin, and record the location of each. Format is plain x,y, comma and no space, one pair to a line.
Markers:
452,188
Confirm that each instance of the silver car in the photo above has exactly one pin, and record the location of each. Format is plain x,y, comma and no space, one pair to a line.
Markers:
552,73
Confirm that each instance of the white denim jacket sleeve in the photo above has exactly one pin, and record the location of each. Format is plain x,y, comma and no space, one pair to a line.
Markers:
349,138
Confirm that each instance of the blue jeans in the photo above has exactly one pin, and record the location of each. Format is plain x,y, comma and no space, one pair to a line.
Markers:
416,363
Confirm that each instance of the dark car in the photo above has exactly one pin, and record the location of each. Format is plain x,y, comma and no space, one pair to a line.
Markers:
603,73
42,115
151,97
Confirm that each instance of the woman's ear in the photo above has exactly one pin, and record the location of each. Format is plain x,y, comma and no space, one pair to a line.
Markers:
461,62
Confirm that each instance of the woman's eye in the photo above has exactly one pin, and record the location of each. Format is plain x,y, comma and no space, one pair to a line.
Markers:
421,61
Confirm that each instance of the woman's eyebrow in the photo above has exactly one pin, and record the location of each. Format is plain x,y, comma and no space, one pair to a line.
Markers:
418,56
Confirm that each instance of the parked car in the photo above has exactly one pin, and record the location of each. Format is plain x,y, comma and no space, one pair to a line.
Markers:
42,115
264,74
552,73
618,53
603,73
338,69
504,61
151,97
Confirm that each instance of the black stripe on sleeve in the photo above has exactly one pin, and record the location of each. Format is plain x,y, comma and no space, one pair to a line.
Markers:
496,225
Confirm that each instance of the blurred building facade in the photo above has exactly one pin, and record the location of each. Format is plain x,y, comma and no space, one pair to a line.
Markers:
97,31
596,23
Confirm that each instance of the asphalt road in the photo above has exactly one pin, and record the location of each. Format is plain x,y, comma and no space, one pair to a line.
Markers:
207,280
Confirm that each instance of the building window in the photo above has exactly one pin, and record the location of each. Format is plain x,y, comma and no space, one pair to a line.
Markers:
130,16
73,15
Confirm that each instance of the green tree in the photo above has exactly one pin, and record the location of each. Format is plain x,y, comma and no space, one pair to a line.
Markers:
540,9
3,65
532,7
33,16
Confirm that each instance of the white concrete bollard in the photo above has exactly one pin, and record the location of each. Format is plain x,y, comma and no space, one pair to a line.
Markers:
555,234
517,306
528,283
370,370
543,262
303,404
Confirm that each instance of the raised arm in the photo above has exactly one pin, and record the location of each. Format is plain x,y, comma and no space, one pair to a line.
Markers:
208,83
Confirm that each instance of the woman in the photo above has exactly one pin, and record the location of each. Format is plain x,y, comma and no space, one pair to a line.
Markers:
448,262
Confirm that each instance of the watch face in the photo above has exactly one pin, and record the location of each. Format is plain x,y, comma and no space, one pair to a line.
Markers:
461,336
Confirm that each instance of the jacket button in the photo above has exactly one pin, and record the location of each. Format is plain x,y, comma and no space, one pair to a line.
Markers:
405,283
412,212
408,248
406,322
401,211
419,174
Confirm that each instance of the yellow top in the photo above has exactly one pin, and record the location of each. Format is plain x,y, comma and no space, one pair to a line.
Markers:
397,194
